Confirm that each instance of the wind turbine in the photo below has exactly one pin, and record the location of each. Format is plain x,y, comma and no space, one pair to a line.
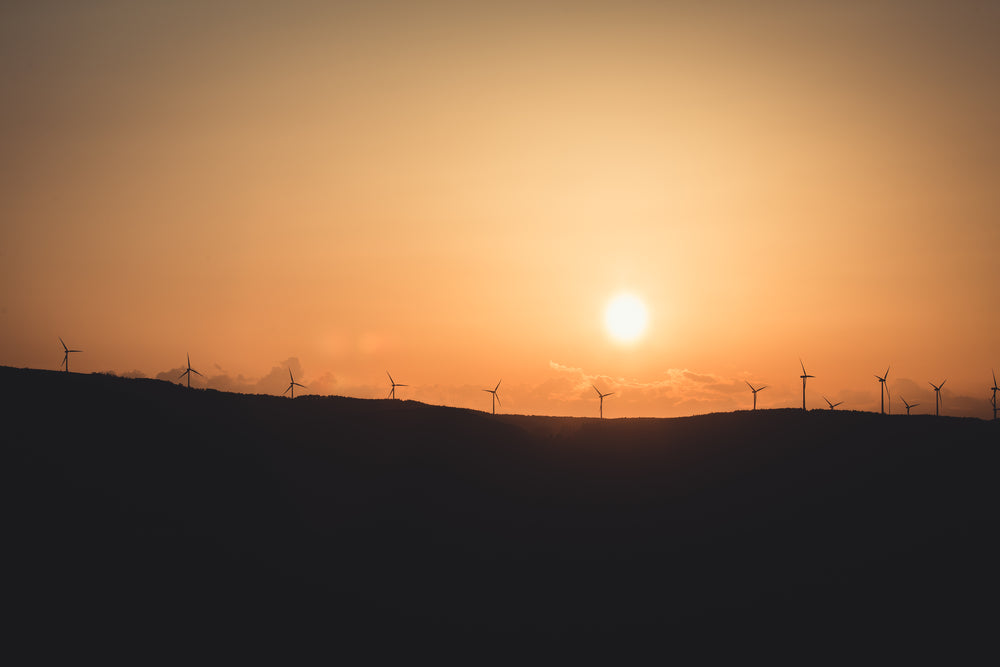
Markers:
804,376
392,392
189,371
885,388
937,397
67,352
601,396
292,384
755,393
832,405
496,399
994,389
909,406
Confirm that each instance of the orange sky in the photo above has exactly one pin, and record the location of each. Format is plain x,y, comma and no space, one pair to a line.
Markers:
454,194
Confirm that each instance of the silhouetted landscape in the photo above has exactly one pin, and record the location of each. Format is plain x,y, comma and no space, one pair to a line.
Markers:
141,511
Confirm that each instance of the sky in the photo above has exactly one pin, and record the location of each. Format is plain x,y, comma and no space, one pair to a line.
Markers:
454,192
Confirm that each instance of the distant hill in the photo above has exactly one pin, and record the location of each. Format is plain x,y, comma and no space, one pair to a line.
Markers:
144,512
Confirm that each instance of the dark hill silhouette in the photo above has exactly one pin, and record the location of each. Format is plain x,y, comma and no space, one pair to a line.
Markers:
142,511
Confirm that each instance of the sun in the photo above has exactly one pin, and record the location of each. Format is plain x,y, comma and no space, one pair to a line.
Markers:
625,318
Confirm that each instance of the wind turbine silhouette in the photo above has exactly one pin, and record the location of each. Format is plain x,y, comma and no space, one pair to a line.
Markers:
67,352
189,371
908,405
601,396
937,397
885,388
804,376
994,389
392,392
755,393
292,384
496,399
832,405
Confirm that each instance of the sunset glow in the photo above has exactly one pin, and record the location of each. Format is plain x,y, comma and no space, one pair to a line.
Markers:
625,317
454,191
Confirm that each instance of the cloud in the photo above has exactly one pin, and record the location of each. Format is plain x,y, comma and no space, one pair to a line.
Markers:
677,391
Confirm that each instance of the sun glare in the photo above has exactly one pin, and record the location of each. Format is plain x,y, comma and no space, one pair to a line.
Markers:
625,318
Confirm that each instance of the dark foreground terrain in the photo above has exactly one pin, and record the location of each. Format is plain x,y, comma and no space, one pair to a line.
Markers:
144,519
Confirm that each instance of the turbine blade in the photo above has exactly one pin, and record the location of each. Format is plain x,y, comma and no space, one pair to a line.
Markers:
196,372
803,366
609,393
390,378
498,400
61,342
286,390
402,385
762,388
498,386
942,382
488,391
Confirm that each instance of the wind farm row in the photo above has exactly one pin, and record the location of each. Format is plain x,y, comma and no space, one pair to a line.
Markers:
885,395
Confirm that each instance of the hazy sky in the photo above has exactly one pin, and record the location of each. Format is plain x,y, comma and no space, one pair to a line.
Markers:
453,192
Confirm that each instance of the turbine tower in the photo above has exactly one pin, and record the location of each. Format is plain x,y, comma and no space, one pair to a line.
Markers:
755,393
392,391
292,384
804,376
496,399
832,405
909,406
994,389
885,388
601,396
937,397
67,352
189,371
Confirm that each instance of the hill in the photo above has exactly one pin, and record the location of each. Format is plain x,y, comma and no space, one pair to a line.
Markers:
141,511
